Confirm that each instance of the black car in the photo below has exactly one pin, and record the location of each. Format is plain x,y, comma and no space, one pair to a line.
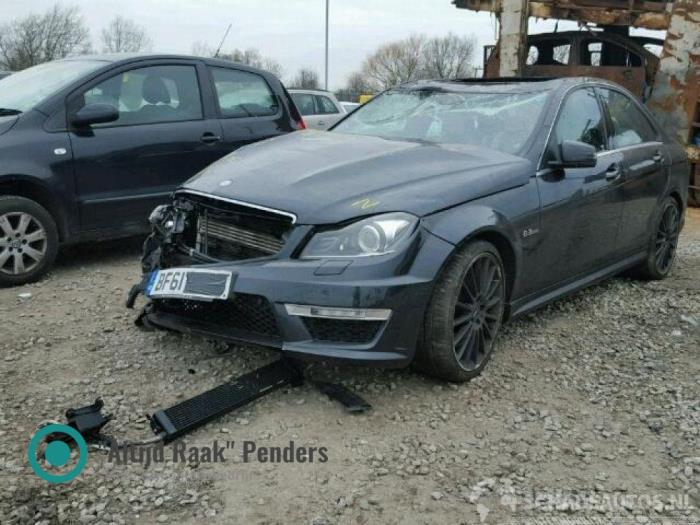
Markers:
422,221
4,74
89,145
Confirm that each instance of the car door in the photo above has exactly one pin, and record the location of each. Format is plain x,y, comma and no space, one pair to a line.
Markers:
581,208
249,111
124,168
329,112
645,166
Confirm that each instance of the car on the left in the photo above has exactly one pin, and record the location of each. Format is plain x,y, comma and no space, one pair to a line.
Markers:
4,74
89,145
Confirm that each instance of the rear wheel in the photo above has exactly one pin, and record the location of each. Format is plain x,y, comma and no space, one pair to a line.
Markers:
662,247
464,315
28,241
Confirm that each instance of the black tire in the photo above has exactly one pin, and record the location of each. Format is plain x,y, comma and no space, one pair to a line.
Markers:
662,245
464,316
28,234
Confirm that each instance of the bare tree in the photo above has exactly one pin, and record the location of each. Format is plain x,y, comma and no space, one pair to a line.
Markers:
306,79
395,62
202,49
40,38
355,86
419,57
448,57
124,36
253,57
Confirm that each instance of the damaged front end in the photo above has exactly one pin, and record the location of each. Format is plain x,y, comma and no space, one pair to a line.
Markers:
198,230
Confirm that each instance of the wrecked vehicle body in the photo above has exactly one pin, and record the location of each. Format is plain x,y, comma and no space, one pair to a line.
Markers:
421,222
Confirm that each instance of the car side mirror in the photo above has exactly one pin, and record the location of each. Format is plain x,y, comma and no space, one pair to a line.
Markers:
575,154
95,114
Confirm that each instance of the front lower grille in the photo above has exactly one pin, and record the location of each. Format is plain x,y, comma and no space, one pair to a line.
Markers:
245,312
342,331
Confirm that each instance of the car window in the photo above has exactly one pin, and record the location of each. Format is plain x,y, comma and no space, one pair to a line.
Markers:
149,95
501,121
304,103
325,105
549,53
629,125
600,53
581,119
243,94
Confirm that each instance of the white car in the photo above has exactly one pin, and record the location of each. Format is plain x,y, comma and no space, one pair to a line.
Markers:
320,109
350,106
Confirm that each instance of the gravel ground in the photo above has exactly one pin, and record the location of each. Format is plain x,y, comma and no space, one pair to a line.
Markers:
589,412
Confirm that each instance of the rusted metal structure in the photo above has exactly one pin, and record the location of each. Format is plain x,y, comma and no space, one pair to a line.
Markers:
675,93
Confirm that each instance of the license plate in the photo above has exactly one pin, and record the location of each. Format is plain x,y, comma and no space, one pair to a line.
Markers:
189,283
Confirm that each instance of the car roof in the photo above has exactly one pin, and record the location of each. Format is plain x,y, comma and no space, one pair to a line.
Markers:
310,91
117,58
503,85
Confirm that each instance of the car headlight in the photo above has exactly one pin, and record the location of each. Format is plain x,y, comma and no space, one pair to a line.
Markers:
377,235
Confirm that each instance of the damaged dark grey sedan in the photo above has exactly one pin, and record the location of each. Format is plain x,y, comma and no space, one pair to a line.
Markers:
413,229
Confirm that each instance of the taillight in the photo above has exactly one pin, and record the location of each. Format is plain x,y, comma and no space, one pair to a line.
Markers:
302,124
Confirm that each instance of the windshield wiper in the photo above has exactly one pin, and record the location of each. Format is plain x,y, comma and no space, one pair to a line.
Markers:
4,112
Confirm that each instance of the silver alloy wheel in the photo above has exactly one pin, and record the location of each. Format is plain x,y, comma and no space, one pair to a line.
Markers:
23,243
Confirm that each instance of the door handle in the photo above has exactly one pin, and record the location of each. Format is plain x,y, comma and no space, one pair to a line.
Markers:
321,123
210,138
658,157
613,172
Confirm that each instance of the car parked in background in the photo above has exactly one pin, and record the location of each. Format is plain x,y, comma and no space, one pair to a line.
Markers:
350,106
420,223
89,145
629,61
4,74
320,109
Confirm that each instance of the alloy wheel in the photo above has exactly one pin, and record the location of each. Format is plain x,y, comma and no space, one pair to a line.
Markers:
666,239
23,243
478,311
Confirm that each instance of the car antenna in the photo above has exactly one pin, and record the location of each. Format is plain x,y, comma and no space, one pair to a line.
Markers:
216,55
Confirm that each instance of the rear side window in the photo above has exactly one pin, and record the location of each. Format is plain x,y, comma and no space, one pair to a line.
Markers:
305,103
149,95
243,94
581,119
629,125
600,53
325,105
549,53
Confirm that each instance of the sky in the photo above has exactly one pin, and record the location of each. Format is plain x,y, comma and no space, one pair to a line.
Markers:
290,31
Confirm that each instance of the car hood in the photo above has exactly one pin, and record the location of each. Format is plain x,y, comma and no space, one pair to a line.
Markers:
329,177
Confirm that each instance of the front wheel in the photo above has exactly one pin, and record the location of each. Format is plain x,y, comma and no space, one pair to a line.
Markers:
662,247
28,241
464,315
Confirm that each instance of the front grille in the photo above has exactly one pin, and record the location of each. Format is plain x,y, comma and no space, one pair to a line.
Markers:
341,331
230,232
245,312
228,241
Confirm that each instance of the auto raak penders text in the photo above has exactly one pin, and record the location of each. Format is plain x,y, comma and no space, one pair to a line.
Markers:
217,452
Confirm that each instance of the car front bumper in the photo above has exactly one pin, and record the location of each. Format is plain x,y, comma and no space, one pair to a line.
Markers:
257,310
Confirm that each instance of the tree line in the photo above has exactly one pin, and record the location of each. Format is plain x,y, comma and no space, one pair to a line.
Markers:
61,31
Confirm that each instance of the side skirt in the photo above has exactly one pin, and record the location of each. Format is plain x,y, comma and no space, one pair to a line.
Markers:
528,304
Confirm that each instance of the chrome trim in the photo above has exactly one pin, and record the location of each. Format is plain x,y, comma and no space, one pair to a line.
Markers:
371,314
239,203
